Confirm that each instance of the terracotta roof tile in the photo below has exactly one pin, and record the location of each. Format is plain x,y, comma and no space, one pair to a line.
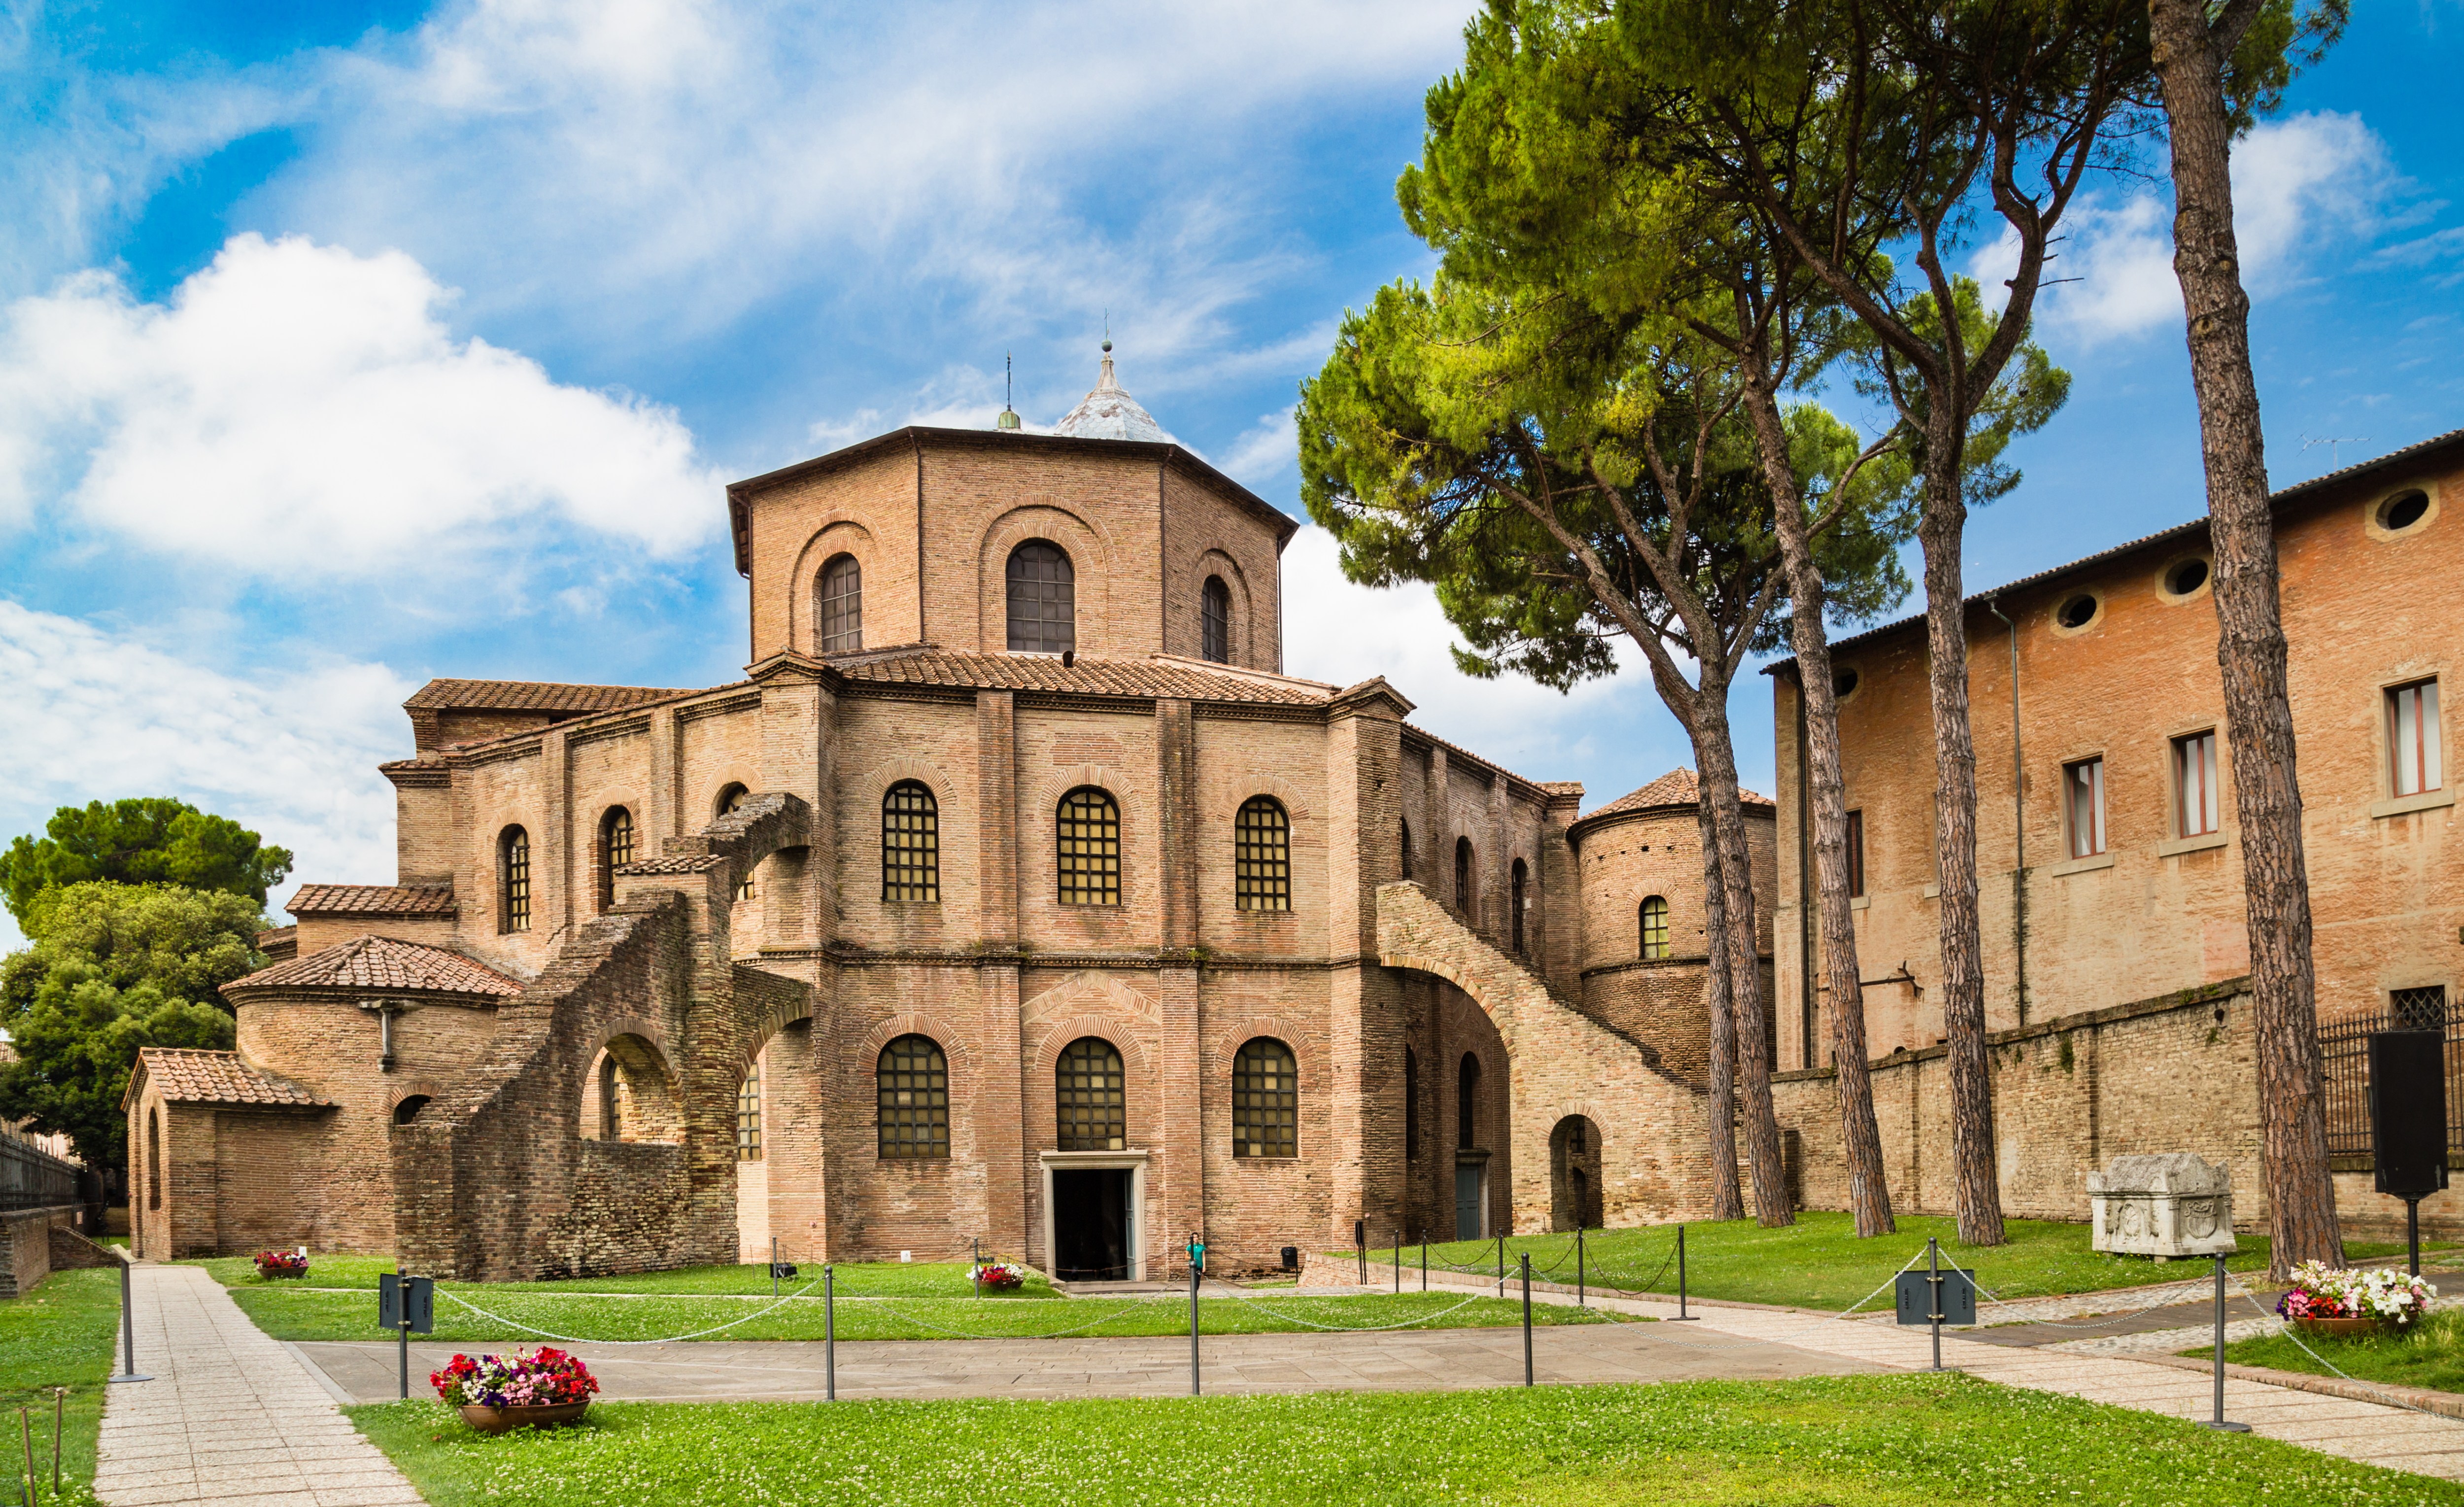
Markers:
372,899
1161,676
1676,787
190,1076
530,696
382,963
702,864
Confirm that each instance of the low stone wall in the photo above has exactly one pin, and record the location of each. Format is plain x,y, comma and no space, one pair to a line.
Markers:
36,1242
2173,1073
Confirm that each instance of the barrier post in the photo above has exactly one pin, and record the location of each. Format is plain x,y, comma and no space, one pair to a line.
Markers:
1580,1302
1527,1318
1425,1260
129,1324
1193,1327
1933,1279
976,1267
60,1405
774,1266
1399,1263
2218,1421
1501,1263
829,1335
26,1428
1682,1315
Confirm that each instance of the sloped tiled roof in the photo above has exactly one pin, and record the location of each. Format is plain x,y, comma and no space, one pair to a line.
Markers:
691,864
382,963
190,1076
1676,787
530,696
372,899
1085,676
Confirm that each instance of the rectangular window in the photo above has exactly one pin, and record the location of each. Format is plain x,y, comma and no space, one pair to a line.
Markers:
2083,806
1855,854
2412,738
2194,785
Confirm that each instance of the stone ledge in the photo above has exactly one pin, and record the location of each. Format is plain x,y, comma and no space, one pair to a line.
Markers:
2204,994
2405,805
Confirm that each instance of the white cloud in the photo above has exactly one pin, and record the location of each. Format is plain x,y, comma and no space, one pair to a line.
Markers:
1266,452
295,409
93,715
2305,188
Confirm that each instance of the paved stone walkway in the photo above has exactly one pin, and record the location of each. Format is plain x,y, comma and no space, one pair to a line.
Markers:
229,1418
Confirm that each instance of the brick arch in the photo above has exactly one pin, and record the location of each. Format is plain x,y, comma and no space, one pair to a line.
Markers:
1241,786
1093,563
765,824
1057,1034
1231,1037
943,1031
774,1018
840,534
415,1088
1108,778
1241,634
873,785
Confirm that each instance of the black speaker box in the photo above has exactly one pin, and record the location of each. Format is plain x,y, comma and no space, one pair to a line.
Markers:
2408,1111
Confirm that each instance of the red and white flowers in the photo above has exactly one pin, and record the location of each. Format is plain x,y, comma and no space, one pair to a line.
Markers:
2394,1298
1000,1277
281,1263
541,1379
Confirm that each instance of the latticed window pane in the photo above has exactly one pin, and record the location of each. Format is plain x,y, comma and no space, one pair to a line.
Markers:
911,843
615,851
1215,620
748,1115
1042,600
1090,1096
516,879
1261,857
2417,1010
913,1079
842,614
1655,927
1090,848
1266,1101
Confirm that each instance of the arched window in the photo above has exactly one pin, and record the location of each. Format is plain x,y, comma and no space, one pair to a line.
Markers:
1407,849
1090,848
1411,1104
408,1109
748,1113
1519,875
1467,1102
611,1114
1266,1101
911,843
838,618
153,1159
913,1082
615,851
1462,876
1261,857
1042,600
1655,926
730,800
1090,1098
1215,621
514,879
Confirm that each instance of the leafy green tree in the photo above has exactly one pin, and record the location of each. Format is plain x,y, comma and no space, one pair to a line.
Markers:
113,969
144,840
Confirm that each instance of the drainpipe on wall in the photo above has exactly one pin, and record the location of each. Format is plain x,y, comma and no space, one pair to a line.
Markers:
1804,881
2018,822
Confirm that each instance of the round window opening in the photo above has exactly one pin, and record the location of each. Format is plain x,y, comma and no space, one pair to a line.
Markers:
2185,577
2076,612
1843,683
2403,510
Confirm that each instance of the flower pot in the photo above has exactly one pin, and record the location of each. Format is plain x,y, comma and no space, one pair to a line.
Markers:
2336,1328
497,1420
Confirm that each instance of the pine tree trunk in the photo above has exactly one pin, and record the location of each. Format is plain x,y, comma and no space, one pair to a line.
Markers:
1860,1138
1727,1199
1976,1193
2249,643
1716,788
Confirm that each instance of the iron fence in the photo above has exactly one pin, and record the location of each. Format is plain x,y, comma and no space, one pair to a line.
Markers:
33,1177
2345,1045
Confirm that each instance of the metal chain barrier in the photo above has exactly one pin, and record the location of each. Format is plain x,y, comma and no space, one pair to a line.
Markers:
545,1334
1294,1319
1795,1333
1058,1334
2290,1333
2176,1292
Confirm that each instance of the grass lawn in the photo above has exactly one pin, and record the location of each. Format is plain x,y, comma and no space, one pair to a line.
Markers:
60,1334
289,1313
2432,1355
1892,1441
1818,1262
858,1279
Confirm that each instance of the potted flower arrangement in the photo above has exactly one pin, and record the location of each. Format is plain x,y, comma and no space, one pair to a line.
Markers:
272,1264
497,1392
1000,1276
2340,1300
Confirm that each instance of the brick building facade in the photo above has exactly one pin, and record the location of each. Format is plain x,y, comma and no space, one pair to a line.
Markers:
1014,894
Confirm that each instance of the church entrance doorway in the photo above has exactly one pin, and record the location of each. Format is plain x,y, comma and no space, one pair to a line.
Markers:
1090,1225
1468,1202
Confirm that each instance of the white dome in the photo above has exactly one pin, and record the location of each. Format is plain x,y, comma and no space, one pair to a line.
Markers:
1109,414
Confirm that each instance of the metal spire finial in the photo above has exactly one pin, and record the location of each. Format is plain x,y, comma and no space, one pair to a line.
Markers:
1009,392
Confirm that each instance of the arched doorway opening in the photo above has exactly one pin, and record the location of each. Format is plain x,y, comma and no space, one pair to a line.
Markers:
630,1095
1574,1174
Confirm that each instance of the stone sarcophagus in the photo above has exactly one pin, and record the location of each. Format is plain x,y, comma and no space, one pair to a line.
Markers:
2165,1206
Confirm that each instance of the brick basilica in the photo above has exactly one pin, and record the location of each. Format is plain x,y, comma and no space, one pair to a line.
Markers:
1015,894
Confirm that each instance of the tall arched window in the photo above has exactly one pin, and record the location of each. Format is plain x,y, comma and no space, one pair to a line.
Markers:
1266,1101
913,1080
1090,848
1407,849
911,843
1411,1103
839,616
730,800
1090,1096
1519,876
1462,876
1655,926
514,879
612,1113
153,1159
748,1113
1467,1101
1261,857
615,851
1215,620
1042,599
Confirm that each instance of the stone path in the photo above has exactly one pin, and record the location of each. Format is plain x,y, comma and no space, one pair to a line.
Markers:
229,1418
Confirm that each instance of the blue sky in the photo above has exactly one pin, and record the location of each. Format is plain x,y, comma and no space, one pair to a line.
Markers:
346,345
